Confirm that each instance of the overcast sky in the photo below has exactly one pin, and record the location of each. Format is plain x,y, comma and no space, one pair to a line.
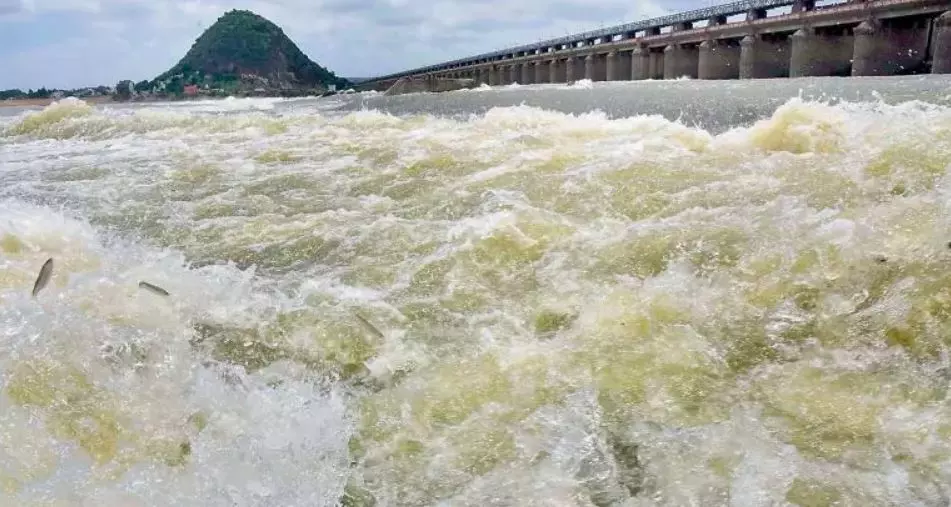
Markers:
73,43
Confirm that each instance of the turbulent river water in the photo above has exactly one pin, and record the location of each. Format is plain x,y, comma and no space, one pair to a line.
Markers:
652,293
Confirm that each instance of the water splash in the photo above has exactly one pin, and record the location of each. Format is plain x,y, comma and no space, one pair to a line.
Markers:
575,309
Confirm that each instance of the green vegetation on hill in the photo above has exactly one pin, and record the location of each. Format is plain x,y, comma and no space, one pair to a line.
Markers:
44,93
243,50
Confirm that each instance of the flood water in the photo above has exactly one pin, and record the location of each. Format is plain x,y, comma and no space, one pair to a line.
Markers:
650,293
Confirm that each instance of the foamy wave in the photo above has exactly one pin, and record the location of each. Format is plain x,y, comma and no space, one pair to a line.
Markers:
571,308
125,408
227,104
583,84
56,112
481,88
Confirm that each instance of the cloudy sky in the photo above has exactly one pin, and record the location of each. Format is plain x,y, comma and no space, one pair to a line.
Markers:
72,43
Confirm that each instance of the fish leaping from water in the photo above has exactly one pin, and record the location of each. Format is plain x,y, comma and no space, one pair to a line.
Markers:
368,326
153,288
44,277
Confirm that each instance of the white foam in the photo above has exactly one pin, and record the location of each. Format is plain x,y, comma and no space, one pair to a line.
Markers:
262,444
460,233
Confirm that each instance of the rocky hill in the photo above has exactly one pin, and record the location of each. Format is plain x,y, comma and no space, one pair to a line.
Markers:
243,50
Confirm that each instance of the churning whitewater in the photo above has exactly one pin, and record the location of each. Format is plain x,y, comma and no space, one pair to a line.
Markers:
516,306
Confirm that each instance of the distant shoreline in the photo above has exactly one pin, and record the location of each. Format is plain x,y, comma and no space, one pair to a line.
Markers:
100,99
107,99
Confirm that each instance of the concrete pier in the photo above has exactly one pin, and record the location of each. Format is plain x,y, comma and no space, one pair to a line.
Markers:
820,54
640,63
555,71
589,63
681,60
763,58
718,60
656,67
541,72
866,57
601,67
613,70
622,66
803,50
571,69
941,62
841,38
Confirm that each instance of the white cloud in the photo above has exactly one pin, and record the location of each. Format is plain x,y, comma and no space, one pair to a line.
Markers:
62,5
102,41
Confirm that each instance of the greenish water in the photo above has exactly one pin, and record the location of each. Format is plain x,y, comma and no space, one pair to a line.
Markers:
652,293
